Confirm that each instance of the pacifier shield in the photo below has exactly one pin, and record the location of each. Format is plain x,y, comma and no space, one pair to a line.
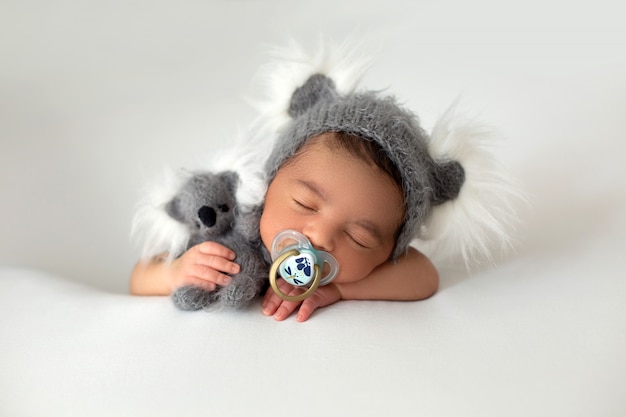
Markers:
297,262
298,269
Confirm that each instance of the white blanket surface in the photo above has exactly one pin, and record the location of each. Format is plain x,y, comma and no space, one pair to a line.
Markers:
519,340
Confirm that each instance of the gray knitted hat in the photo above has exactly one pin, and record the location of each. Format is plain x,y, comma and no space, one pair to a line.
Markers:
316,107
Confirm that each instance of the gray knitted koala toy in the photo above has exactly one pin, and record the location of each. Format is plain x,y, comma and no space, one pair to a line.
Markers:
206,204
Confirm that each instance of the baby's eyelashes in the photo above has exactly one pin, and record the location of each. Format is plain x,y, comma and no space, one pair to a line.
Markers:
304,206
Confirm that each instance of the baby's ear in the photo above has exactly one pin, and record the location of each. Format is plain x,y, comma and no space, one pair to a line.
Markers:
446,178
317,87
172,208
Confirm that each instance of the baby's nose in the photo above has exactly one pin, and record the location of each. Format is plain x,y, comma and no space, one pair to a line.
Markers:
320,237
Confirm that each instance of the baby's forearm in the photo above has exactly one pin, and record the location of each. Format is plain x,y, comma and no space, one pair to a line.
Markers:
412,277
149,278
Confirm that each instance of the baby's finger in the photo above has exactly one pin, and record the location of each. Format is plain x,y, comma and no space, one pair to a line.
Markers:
287,307
215,249
268,299
285,310
324,296
216,263
270,296
205,273
308,307
271,301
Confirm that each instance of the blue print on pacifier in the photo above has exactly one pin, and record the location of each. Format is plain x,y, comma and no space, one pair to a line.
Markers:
298,269
297,262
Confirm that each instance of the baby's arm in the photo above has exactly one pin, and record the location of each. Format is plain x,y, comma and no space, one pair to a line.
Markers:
204,265
412,277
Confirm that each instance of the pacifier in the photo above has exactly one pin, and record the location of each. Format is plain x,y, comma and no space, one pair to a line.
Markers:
300,264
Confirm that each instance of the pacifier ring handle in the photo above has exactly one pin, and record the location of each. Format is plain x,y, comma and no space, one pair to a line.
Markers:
274,271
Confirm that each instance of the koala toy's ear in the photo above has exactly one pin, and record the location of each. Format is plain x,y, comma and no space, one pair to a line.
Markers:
172,208
446,179
317,87
231,179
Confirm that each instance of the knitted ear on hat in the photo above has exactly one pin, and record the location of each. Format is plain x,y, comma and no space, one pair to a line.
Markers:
317,87
446,179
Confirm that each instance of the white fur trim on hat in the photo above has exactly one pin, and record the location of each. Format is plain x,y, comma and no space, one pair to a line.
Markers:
481,221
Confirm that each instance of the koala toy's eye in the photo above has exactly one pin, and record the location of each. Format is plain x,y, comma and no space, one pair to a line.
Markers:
223,208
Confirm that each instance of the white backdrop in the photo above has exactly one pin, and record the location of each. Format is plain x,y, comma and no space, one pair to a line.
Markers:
96,97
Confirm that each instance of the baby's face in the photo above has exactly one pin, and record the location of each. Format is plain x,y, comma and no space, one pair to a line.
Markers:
342,204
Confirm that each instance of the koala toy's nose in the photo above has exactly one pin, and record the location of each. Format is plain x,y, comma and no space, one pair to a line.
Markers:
207,216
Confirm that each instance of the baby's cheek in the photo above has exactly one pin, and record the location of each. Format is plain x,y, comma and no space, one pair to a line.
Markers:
354,267
266,237
352,272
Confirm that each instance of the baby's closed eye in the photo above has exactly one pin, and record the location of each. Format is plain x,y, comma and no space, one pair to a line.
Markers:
304,205
361,239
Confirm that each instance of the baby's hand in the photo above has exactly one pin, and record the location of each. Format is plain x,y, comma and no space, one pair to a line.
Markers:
205,265
275,306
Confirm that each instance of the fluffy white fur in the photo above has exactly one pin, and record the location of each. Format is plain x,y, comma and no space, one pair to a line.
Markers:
292,66
482,219
152,228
